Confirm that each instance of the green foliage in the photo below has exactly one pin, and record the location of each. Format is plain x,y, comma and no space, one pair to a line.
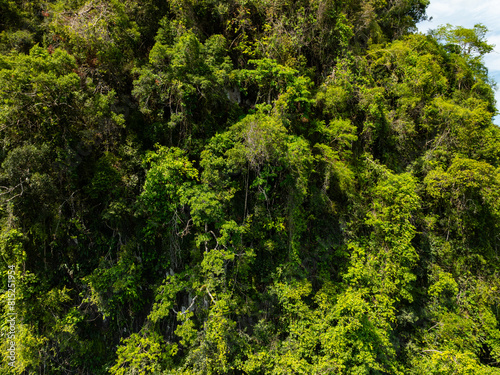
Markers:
100,34
140,354
470,42
247,187
168,179
185,83
115,286
43,101
38,90
395,204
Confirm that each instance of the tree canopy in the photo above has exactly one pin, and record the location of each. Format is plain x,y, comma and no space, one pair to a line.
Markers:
246,187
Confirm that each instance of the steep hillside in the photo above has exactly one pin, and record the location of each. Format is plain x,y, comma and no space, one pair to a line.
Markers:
246,187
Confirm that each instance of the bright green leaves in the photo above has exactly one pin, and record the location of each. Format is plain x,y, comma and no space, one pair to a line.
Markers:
101,34
141,354
463,332
273,79
409,89
463,179
467,191
115,285
185,75
444,286
219,164
189,58
11,247
44,101
171,173
414,65
406,74
382,267
219,340
334,167
471,43
325,332
265,141
289,32
379,281
462,123
180,205
170,188
184,84
37,95
165,296
296,352
437,362
390,254
300,160
213,343
359,339
206,205
338,137
340,134
263,138
461,337
172,185
311,207
336,95
282,87
395,202
214,266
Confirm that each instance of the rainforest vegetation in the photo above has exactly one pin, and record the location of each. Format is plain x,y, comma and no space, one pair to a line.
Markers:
246,187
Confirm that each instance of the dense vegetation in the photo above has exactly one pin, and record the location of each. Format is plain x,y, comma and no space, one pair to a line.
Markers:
247,187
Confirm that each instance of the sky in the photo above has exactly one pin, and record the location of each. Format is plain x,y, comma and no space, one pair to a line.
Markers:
467,13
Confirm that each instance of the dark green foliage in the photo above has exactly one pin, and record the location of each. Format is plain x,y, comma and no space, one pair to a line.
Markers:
247,187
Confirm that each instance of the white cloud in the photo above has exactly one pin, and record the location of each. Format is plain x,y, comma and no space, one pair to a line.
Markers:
492,60
462,13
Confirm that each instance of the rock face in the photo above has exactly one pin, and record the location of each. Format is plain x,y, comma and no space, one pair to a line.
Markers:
233,94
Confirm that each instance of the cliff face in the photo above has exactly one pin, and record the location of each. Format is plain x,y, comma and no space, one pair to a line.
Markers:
246,187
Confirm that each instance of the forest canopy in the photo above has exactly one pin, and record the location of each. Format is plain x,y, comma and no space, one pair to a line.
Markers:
246,187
